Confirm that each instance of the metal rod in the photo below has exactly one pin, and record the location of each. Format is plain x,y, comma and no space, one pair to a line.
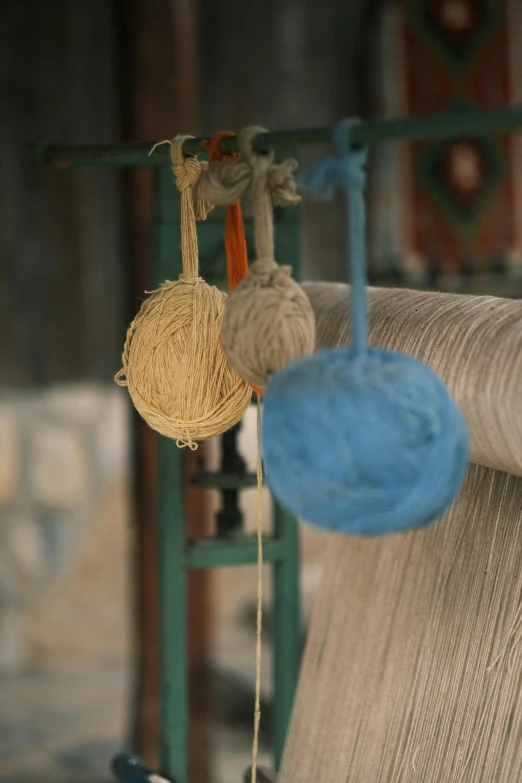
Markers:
241,550
456,122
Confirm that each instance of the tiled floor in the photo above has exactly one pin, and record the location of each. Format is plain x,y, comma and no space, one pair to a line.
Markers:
64,726
61,726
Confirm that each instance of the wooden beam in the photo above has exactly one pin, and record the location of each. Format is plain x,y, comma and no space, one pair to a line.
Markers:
160,66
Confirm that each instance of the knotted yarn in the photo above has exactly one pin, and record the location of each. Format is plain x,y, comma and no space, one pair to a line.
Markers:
268,321
235,240
177,374
361,440
237,269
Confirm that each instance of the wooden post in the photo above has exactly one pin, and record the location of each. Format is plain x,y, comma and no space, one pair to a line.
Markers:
160,89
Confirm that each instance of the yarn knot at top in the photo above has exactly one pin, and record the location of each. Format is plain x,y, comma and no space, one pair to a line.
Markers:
265,272
187,173
227,181
187,278
322,178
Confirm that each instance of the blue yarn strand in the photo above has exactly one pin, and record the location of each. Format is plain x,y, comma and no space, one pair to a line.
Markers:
361,440
347,171
356,220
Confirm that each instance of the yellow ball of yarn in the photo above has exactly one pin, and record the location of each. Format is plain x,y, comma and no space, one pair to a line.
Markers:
174,366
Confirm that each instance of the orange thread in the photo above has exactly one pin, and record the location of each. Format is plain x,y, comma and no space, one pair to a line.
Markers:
235,242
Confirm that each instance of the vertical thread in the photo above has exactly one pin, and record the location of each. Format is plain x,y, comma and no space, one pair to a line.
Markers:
235,242
259,613
354,182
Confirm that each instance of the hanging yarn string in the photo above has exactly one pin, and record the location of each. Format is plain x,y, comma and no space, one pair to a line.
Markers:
268,321
235,242
259,604
177,374
361,440
237,269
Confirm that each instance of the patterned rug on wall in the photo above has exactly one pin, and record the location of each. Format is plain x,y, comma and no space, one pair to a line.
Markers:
449,206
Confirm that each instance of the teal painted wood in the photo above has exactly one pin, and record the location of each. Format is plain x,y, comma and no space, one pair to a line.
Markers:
171,522
285,571
287,627
176,557
453,122
236,551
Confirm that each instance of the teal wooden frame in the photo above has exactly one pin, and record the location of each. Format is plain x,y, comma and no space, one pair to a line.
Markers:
177,556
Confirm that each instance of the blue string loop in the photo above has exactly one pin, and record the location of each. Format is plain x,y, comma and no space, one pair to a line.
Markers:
360,439
347,171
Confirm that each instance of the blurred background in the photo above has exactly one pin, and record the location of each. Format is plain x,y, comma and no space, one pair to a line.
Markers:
78,588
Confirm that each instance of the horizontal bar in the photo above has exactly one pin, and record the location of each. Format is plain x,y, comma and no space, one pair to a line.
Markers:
456,122
207,480
220,553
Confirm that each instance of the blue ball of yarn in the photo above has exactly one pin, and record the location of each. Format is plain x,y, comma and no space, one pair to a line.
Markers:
367,444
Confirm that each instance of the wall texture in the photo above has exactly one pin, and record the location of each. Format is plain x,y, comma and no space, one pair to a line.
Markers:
64,538
60,232
63,430
291,64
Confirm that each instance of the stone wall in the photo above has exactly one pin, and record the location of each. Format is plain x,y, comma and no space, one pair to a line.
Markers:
64,534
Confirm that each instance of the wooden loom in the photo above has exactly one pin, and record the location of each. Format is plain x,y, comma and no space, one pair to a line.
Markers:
410,671
413,666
